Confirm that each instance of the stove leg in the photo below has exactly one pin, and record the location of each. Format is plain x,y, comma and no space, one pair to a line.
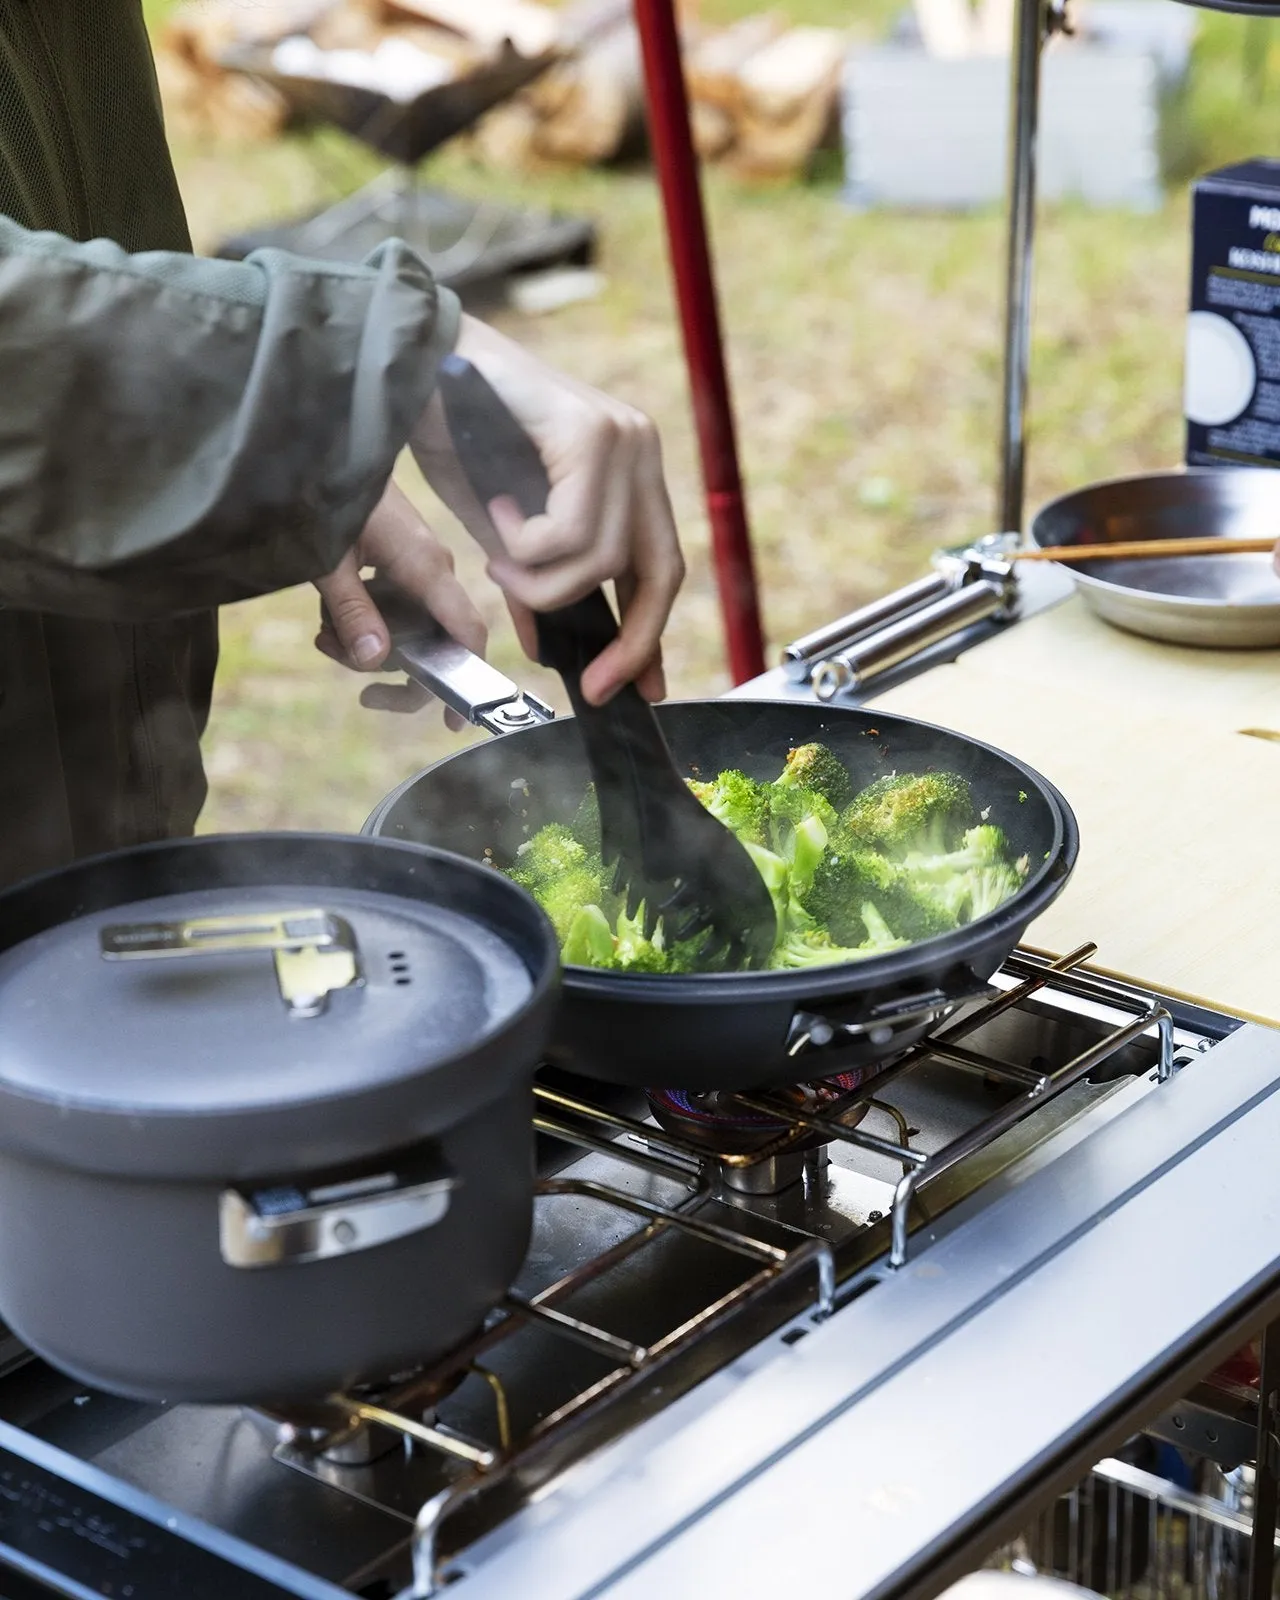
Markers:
1262,1553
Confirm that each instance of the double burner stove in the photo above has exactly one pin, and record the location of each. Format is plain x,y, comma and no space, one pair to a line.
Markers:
676,1235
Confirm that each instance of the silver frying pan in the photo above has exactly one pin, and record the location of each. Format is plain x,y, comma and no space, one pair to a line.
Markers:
1221,602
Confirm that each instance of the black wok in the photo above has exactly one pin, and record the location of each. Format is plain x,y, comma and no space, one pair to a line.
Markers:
747,1029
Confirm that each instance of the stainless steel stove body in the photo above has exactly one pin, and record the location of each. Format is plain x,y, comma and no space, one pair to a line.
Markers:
846,1367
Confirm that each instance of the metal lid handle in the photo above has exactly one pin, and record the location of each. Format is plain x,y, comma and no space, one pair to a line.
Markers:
315,952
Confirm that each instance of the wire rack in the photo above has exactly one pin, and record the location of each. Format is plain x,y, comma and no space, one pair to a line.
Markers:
1130,1534
471,1479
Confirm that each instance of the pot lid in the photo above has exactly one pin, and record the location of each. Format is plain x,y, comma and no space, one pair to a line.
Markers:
293,1024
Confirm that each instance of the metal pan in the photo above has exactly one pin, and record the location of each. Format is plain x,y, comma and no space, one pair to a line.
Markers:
1223,603
738,1030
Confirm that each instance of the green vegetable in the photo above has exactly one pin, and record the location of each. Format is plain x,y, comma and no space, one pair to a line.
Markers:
738,801
589,942
813,766
911,814
906,859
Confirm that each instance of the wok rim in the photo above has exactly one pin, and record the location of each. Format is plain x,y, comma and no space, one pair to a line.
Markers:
892,968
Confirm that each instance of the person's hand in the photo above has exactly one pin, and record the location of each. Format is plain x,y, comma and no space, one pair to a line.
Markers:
398,542
1275,558
608,517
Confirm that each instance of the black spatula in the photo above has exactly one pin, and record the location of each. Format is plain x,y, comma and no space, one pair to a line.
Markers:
667,849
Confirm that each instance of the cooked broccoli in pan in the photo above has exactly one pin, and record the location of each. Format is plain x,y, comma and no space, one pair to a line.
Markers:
851,875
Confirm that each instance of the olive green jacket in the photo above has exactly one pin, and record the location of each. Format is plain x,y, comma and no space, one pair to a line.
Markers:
175,434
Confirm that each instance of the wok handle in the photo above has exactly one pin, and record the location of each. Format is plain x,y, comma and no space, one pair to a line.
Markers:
466,683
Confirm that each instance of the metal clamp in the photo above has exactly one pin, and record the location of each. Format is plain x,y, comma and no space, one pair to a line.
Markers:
275,1227
466,683
315,951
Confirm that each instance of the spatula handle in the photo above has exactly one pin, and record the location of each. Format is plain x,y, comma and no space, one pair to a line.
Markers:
499,459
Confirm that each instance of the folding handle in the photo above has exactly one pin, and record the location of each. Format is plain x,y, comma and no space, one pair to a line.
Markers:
466,683
291,1225
314,951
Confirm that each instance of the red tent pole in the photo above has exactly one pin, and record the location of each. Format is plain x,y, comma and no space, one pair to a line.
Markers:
673,153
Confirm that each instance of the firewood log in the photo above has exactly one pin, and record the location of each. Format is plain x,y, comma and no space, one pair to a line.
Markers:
202,30
713,129
788,102
598,105
505,138
713,65
534,30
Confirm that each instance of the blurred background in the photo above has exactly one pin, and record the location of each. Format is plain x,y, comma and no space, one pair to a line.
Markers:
859,269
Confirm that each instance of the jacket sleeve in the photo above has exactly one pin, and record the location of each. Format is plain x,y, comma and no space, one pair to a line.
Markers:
177,433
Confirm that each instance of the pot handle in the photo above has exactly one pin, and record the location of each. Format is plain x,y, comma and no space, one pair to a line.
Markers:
315,951
290,1225
422,650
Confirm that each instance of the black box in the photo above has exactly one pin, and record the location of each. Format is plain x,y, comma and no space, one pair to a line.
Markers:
1232,376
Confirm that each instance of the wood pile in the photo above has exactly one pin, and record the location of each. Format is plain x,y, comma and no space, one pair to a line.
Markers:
763,100
763,95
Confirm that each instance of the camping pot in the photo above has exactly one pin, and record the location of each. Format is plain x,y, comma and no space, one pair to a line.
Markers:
265,1111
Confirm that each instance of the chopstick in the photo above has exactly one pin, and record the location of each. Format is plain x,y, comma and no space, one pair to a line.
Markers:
1140,549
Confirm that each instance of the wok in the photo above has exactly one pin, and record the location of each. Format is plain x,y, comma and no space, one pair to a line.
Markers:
1222,602
739,1030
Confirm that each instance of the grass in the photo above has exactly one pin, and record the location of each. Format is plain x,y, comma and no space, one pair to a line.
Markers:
864,354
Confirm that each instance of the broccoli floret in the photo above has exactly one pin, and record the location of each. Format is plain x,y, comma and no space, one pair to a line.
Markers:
880,936
738,801
845,878
777,879
800,824
968,882
813,766
686,955
920,814
795,804
983,846
589,942
991,887
632,951
789,807
564,897
549,854
849,877
812,949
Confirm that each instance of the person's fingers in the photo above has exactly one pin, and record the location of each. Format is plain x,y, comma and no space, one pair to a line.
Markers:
549,588
1275,559
423,568
352,616
651,680
645,597
588,515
